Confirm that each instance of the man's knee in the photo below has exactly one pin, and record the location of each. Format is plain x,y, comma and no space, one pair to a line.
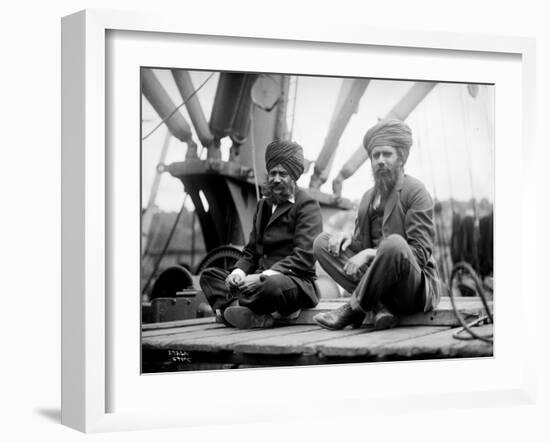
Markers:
210,274
271,285
320,245
393,244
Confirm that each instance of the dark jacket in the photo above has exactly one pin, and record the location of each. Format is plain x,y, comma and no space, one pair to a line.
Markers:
409,213
286,244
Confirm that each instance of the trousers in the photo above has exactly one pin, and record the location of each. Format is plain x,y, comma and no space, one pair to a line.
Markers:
275,293
392,279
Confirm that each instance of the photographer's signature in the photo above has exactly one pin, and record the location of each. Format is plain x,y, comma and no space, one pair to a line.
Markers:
179,356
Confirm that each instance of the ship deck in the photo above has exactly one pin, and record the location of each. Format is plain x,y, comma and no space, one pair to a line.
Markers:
203,344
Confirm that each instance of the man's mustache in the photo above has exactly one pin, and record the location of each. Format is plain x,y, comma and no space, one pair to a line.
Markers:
277,185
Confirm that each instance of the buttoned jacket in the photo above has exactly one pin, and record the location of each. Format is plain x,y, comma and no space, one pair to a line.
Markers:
286,243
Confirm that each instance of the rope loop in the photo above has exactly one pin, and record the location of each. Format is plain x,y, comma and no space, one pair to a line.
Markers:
460,269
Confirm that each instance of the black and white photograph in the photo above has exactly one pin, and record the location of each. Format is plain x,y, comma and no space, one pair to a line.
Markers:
294,220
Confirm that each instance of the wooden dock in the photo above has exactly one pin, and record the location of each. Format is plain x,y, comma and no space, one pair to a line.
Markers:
203,344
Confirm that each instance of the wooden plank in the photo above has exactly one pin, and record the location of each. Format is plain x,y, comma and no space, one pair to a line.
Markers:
463,301
299,343
369,341
310,341
223,342
175,324
219,328
185,335
470,308
440,344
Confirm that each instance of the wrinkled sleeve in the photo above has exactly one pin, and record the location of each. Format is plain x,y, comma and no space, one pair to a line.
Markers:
359,241
419,225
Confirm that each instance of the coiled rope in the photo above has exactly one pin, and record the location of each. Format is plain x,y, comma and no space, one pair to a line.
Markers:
461,268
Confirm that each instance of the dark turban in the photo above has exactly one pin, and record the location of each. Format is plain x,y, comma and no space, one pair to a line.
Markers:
392,133
288,154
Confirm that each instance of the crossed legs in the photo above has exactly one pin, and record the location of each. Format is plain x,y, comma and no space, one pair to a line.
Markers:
393,279
275,293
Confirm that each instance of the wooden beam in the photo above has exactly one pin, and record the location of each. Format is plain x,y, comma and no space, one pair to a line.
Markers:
176,324
470,309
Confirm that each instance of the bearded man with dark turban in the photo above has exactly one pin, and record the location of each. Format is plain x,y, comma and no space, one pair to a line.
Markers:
275,274
387,262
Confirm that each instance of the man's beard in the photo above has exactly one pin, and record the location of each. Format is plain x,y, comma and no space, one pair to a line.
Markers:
385,179
278,192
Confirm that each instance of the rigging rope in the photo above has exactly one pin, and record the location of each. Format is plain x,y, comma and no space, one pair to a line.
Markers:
445,148
253,147
167,242
178,107
464,267
469,153
294,107
173,229
440,229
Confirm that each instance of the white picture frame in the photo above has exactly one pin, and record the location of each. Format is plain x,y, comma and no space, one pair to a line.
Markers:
87,318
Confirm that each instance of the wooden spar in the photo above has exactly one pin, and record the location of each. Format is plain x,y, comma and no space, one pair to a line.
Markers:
264,117
240,128
231,112
400,111
164,106
251,110
281,129
349,96
193,105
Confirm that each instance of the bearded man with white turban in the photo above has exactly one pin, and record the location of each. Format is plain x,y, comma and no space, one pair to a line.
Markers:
387,262
275,274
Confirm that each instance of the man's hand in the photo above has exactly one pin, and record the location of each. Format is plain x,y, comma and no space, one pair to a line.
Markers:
235,279
339,242
251,282
356,263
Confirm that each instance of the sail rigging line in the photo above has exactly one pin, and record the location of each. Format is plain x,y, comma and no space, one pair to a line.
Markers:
155,187
178,107
468,151
490,134
193,222
447,165
445,149
167,242
253,147
440,231
165,247
470,163
294,107
155,232
488,124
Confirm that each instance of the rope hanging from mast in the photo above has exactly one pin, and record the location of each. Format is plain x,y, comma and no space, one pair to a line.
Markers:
439,230
177,107
168,239
253,147
291,132
178,216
